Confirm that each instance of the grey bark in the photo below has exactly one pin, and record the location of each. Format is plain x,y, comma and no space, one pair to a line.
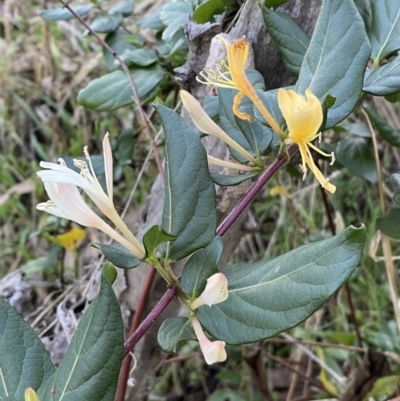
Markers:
268,61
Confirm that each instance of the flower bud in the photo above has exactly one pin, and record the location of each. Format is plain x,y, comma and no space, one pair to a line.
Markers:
216,291
213,351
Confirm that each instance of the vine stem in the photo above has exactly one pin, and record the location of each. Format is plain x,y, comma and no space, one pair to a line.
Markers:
143,298
125,68
279,162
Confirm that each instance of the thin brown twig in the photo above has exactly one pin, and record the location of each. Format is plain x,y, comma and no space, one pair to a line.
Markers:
347,289
126,364
387,250
143,116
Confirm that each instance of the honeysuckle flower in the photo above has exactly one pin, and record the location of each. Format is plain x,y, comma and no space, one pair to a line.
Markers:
205,124
30,395
213,351
216,291
61,184
237,53
304,116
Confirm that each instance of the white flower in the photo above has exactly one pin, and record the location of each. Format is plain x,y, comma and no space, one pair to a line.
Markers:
61,184
213,351
216,291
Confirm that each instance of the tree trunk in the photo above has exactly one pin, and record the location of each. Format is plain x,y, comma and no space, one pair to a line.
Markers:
268,61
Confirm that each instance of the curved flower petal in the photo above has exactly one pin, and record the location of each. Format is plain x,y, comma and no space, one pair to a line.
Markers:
213,351
215,292
303,115
205,124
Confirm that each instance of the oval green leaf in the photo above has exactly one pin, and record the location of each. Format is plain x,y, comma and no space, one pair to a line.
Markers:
113,91
172,331
290,39
266,298
24,362
89,370
189,211
336,58
356,155
59,14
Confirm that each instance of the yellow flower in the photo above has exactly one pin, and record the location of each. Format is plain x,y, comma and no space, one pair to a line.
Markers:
237,57
304,117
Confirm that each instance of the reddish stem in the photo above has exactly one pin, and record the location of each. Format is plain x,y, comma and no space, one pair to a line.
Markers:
126,364
279,162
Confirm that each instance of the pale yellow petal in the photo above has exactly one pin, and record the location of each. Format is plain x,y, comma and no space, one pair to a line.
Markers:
303,115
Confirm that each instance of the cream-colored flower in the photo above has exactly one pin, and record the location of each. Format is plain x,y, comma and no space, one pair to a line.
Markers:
61,184
213,351
304,116
216,291
205,124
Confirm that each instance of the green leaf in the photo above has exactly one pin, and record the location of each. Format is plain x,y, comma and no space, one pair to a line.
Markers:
395,178
118,42
266,298
205,11
124,146
123,7
356,155
110,272
210,106
388,133
364,8
382,387
59,14
118,255
270,100
260,137
189,211
152,21
385,80
290,39
336,58
140,57
227,118
172,331
24,362
389,224
384,32
174,16
154,237
200,267
231,180
89,370
107,23
113,91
